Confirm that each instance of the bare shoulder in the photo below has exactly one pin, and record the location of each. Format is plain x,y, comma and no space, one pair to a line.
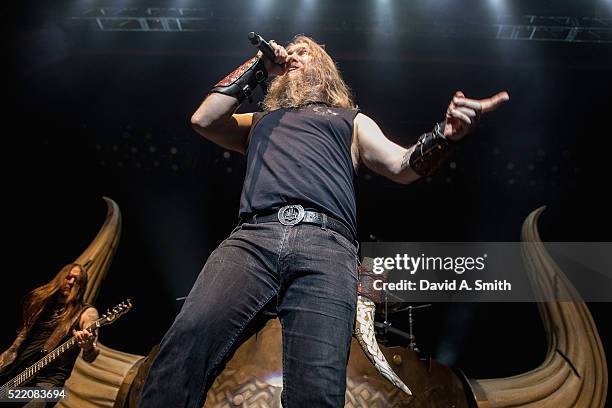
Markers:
244,120
366,132
254,120
376,151
88,316
364,121
361,123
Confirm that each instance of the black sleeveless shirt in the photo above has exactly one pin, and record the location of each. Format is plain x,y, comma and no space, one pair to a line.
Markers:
31,350
301,156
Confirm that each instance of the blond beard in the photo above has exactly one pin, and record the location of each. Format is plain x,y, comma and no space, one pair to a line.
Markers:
296,88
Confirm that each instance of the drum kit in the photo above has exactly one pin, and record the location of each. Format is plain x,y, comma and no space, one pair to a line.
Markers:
389,304
384,328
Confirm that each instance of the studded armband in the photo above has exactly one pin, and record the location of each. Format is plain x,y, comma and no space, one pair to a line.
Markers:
243,80
431,151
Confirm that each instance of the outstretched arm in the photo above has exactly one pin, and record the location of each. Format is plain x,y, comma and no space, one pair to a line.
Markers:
86,339
405,165
379,154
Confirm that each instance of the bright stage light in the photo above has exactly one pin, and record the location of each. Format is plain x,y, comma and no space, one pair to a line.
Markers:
261,8
499,6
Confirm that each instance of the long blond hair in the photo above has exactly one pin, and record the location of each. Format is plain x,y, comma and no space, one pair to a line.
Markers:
319,81
36,301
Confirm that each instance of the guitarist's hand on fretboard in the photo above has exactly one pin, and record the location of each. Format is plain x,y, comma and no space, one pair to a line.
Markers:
85,339
86,336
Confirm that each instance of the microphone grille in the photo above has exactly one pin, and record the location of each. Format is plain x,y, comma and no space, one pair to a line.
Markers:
254,38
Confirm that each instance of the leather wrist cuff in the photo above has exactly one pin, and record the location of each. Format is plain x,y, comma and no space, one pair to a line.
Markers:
243,80
431,151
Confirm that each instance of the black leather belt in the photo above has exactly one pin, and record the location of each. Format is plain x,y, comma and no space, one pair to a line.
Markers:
295,214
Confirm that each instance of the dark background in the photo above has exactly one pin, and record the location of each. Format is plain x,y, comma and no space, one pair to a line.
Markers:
90,113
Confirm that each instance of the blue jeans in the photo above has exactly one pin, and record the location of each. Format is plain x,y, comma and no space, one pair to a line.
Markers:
306,274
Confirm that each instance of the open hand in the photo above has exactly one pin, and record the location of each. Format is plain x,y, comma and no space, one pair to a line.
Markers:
463,114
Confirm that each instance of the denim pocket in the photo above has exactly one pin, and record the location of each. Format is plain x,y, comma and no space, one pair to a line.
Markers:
343,241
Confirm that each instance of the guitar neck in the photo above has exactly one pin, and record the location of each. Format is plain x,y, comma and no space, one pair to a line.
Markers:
107,318
32,370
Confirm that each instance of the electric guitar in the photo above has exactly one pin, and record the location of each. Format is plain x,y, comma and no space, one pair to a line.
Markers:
26,375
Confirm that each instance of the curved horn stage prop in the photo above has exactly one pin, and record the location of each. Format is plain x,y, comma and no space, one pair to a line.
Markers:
252,377
366,335
98,384
99,254
574,372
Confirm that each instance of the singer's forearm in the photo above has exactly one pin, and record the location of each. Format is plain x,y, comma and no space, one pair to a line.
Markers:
214,110
214,120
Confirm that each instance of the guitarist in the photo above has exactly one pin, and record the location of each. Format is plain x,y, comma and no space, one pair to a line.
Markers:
52,313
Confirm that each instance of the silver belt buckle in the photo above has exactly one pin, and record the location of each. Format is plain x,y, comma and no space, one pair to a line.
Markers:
291,214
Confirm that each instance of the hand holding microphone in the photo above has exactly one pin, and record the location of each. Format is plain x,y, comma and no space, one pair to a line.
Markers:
275,56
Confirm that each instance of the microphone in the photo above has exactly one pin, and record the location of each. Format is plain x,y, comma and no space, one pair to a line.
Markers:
263,46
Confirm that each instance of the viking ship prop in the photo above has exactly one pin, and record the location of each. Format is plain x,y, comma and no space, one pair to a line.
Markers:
573,372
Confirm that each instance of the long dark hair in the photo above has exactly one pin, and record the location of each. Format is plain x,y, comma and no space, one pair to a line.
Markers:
36,301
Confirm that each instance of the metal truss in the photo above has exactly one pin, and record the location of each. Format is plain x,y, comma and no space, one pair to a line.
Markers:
507,27
554,28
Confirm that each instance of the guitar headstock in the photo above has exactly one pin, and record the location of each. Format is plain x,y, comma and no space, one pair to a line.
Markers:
113,314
